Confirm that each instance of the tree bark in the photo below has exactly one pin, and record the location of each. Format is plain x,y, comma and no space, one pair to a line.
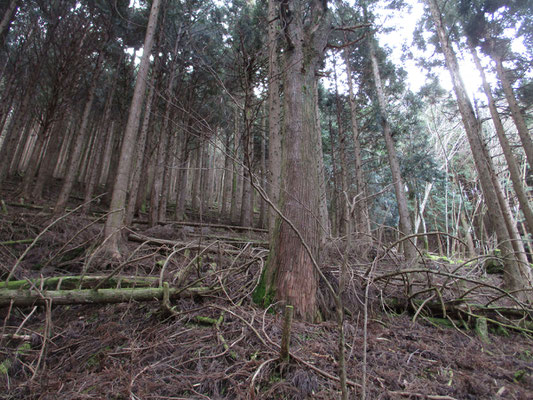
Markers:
115,220
274,114
140,156
290,274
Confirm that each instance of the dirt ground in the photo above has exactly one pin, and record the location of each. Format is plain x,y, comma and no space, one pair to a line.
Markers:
220,345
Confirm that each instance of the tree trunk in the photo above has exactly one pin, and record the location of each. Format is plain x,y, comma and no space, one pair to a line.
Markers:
516,114
115,220
290,275
334,190
516,275
362,217
72,171
344,217
228,177
102,140
183,174
247,194
406,229
274,115
50,159
140,156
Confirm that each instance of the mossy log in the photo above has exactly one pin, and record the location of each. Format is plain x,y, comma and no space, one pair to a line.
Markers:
26,297
87,282
461,311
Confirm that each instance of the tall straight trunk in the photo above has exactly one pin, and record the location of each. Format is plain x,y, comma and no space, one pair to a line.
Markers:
362,217
405,226
169,167
115,220
140,156
516,275
514,171
35,158
17,124
516,113
344,217
263,206
51,158
335,192
195,191
274,114
111,159
247,194
325,224
74,165
237,170
228,177
207,171
183,172
290,275
102,140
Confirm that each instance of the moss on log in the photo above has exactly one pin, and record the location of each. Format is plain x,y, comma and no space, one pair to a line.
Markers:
26,297
73,282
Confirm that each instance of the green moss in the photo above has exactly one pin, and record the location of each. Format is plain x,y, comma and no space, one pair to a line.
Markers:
262,295
519,375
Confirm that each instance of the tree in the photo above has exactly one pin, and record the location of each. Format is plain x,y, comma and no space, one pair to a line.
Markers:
115,220
290,274
517,276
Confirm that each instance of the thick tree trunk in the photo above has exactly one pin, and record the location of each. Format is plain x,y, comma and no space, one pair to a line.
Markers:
516,275
514,171
290,275
405,226
115,220
274,114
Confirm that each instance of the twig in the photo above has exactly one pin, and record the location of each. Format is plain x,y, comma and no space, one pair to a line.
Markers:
19,260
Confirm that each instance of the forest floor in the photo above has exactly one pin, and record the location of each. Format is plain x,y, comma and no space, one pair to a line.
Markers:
218,344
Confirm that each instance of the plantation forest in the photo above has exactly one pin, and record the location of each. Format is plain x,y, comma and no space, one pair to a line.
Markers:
266,199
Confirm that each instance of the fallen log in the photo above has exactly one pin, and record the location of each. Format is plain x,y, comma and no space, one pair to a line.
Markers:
87,282
206,224
207,247
26,298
